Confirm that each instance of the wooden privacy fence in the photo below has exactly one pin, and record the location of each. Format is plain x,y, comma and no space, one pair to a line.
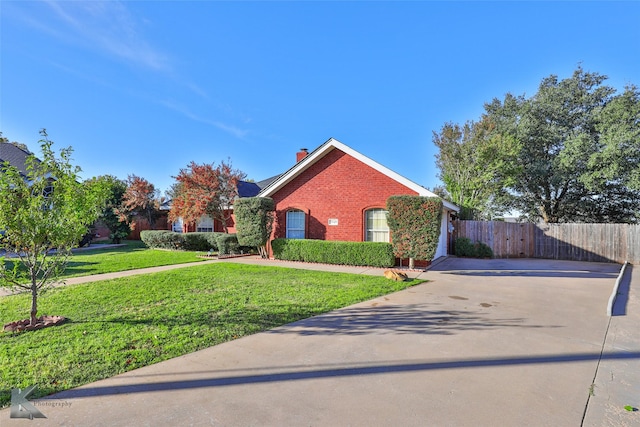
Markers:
579,242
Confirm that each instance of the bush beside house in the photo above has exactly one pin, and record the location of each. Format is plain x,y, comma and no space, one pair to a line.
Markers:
414,222
227,244
373,254
164,239
254,222
465,248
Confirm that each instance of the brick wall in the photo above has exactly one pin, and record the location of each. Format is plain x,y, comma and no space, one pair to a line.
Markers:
337,187
217,225
141,223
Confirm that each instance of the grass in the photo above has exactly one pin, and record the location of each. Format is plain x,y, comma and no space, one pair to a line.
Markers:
119,325
131,256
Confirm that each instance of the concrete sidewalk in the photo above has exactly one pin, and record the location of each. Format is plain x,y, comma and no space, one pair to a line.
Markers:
484,343
617,383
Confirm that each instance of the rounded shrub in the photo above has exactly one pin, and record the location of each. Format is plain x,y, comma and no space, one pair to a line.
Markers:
465,248
162,239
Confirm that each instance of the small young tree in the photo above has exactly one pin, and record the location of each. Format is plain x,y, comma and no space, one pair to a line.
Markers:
47,209
205,190
414,223
254,222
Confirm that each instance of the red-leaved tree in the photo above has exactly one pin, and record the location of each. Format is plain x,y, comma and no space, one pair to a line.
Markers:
205,189
140,198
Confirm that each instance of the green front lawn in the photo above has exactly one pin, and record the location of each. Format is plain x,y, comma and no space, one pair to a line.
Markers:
129,257
132,256
119,325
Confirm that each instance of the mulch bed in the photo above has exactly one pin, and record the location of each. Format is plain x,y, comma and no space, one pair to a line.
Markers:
25,324
224,256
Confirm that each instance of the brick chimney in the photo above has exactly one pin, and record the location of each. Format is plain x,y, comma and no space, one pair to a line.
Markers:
301,154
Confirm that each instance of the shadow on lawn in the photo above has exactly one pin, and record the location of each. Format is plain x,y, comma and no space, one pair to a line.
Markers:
305,320
77,268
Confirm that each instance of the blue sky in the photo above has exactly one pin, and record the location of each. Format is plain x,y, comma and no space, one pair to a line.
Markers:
145,87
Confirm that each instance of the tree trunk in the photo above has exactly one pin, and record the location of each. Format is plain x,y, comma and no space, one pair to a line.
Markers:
411,263
263,252
34,303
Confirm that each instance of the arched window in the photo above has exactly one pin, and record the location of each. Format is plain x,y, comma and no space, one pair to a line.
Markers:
295,224
376,228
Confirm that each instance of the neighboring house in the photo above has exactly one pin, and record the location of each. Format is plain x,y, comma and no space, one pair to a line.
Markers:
337,193
206,223
15,156
333,193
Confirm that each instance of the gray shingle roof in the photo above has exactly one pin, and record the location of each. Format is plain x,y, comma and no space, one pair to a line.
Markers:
15,156
247,189
265,182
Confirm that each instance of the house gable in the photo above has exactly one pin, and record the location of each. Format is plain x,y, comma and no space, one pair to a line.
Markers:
274,185
334,191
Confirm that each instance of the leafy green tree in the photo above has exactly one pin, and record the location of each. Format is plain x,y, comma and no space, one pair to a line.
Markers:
577,150
254,221
42,217
117,225
617,158
414,223
474,163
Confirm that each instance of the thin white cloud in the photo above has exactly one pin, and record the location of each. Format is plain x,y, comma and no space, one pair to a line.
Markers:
108,27
197,90
230,129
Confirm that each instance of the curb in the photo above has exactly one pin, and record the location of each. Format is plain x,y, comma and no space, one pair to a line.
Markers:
614,293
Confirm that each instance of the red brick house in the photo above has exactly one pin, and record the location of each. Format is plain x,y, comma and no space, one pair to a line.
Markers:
336,193
331,193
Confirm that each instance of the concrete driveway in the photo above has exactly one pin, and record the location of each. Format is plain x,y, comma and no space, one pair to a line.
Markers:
483,343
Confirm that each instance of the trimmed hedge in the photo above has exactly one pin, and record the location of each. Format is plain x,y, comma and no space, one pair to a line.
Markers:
161,239
200,241
227,244
414,223
164,239
372,254
254,220
465,248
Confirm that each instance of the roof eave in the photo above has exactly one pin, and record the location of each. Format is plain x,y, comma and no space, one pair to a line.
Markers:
332,143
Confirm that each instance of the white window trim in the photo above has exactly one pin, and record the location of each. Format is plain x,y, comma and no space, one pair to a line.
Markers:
290,229
368,231
202,226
